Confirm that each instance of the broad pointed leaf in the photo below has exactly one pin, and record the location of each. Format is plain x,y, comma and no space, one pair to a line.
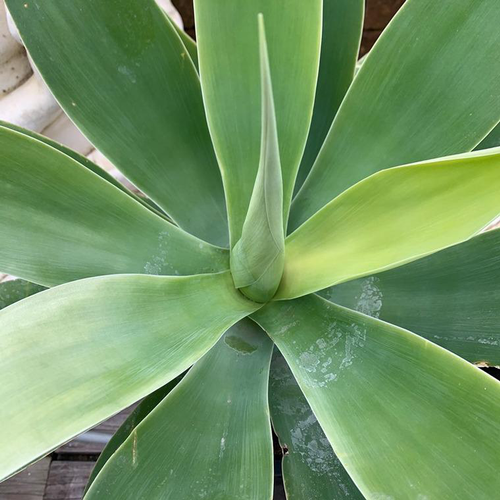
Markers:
228,49
310,467
342,28
451,297
407,418
80,159
74,355
60,222
121,72
15,290
258,258
209,438
393,217
134,419
429,88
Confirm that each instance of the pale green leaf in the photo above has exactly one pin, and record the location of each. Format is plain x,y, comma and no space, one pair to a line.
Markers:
258,258
60,222
133,420
393,217
78,353
209,438
451,297
121,72
311,470
429,88
406,418
15,290
227,36
83,161
342,28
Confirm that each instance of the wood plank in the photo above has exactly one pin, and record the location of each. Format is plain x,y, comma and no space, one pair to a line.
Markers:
28,484
67,480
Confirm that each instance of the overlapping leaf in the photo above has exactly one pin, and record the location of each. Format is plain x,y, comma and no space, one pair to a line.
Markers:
79,353
60,222
427,89
310,467
406,418
451,297
121,72
342,28
258,257
227,36
218,425
391,218
16,290
133,420
82,160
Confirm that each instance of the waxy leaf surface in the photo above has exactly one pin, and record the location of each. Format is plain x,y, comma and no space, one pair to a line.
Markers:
228,49
258,258
83,160
146,406
451,297
60,222
428,88
115,339
342,28
209,438
122,74
391,218
310,467
407,418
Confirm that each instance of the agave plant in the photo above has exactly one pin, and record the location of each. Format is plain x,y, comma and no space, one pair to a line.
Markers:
291,207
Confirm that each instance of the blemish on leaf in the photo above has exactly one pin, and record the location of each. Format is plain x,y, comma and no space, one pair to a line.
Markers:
134,449
239,345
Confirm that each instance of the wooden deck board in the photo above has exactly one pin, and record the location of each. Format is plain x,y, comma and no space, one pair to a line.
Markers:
67,480
28,484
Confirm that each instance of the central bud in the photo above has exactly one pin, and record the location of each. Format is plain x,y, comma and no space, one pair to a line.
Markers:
258,258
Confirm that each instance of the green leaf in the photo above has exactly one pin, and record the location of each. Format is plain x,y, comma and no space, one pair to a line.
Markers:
407,418
15,290
451,297
121,72
134,419
492,140
311,470
429,88
60,222
76,354
258,258
82,160
209,438
227,35
188,42
393,217
342,29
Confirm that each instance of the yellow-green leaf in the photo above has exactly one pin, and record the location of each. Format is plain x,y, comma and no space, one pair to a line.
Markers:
391,218
429,88
78,353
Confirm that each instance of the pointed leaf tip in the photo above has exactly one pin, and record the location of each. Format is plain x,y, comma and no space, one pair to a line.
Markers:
257,259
